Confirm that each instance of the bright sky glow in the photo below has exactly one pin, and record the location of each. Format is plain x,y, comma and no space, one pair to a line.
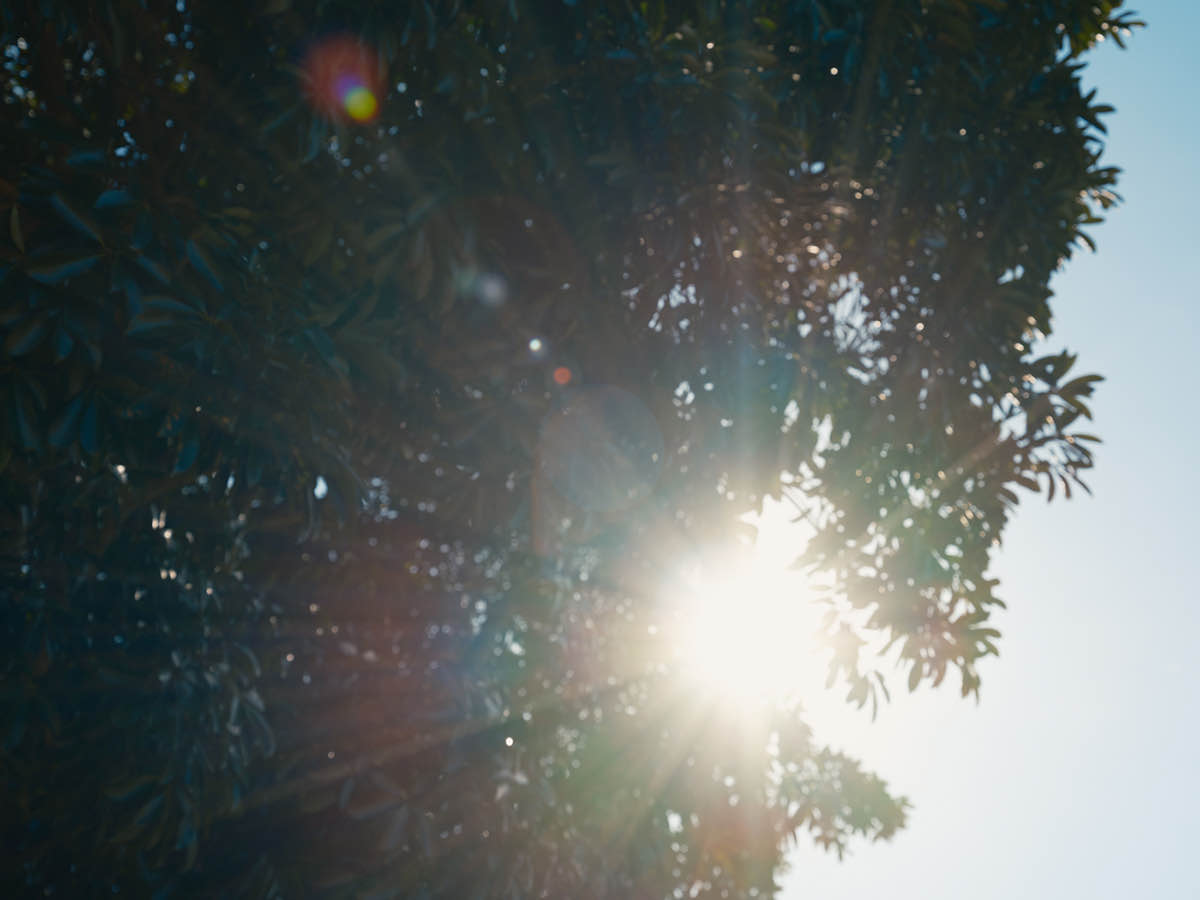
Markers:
746,635
1076,775
746,630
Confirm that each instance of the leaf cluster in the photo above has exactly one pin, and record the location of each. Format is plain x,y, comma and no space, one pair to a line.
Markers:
316,578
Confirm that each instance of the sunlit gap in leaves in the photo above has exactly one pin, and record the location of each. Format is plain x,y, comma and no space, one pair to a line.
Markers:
745,627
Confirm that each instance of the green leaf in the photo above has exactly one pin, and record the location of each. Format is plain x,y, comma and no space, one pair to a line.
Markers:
27,430
57,268
63,428
156,269
162,303
150,810
126,790
1030,484
88,431
26,336
75,218
187,455
346,792
114,198
86,159
160,311
14,309
385,234
320,340
63,344
396,830
203,264
143,232
14,228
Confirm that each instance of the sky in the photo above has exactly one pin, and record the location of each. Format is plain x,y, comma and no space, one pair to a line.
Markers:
1078,773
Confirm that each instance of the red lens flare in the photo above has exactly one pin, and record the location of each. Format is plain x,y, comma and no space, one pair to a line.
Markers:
344,79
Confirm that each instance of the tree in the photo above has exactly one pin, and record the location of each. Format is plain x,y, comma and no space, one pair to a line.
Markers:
364,368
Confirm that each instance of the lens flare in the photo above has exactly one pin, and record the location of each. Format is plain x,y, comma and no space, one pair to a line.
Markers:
360,104
747,632
602,451
344,79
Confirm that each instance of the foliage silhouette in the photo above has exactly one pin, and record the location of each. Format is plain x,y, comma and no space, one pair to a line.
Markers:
341,454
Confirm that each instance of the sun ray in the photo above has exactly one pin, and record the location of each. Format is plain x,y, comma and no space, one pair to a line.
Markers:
745,630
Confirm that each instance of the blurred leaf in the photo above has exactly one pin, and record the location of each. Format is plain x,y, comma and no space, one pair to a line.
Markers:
59,267
129,788
88,433
188,452
114,198
86,158
64,428
156,269
63,344
14,228
25,336
75,218
201,262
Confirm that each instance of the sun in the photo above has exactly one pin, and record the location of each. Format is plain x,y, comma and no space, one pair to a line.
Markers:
746,630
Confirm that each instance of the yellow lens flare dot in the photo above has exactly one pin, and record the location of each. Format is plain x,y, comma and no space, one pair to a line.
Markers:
360,104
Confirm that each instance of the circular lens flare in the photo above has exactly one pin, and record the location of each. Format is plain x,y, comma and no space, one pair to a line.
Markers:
360,104
344,79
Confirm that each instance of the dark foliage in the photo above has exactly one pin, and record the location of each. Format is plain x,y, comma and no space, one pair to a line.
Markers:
341,462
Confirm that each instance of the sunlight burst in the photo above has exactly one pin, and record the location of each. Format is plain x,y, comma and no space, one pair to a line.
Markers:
747,631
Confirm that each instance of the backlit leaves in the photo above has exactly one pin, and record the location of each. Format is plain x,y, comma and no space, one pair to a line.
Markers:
299,591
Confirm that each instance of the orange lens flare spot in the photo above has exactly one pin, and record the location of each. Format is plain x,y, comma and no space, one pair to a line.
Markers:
562,376
344,79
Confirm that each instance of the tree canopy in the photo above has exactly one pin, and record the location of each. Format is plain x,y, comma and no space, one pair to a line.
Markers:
366,368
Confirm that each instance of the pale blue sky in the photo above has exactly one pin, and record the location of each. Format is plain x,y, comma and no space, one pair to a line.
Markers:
1078,775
